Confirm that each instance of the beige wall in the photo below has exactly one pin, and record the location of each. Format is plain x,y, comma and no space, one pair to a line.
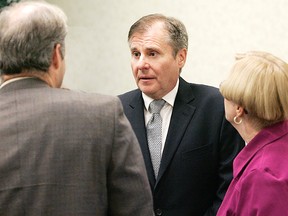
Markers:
98,58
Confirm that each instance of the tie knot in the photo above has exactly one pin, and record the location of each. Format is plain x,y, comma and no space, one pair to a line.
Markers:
156,105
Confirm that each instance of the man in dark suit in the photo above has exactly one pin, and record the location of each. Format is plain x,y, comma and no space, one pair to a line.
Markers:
198,144
62,153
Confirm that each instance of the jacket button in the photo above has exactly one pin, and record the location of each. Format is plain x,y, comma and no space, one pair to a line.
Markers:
158,212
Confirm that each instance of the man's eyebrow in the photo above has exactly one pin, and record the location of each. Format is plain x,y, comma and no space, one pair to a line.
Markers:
149,49
152,48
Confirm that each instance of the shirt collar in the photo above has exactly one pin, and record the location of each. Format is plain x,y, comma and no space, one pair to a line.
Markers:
169,98
13,80
264,137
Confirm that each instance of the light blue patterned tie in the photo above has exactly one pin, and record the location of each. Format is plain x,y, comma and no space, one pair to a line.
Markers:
154,134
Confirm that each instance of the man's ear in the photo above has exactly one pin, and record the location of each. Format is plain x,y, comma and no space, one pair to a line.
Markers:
55,72
181,55
56,57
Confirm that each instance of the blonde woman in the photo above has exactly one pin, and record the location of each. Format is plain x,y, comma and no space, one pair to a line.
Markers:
256,104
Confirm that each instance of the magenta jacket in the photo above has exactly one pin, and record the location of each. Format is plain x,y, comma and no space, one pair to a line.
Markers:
260,184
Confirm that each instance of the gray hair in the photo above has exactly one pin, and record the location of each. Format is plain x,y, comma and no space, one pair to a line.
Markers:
29,32
178,37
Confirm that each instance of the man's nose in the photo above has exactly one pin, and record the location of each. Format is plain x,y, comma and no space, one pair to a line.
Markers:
143,63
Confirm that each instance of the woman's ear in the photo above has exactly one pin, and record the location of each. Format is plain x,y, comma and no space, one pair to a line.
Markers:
240,110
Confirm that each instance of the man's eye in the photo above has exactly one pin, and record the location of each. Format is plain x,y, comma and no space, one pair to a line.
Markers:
152,54
136,54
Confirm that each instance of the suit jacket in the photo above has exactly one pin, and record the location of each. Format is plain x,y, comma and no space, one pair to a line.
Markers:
196,165
260,184
68,153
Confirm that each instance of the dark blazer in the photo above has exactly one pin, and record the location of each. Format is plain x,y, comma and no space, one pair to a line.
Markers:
196,166
66,153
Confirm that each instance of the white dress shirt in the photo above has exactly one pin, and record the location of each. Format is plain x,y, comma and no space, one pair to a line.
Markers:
165,112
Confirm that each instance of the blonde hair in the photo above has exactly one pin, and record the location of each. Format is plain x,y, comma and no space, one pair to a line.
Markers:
259,82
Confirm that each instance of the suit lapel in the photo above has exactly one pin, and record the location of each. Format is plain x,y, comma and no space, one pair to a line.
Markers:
136,116
181,116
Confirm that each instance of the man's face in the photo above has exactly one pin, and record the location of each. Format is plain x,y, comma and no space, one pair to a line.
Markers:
154,67
62,73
